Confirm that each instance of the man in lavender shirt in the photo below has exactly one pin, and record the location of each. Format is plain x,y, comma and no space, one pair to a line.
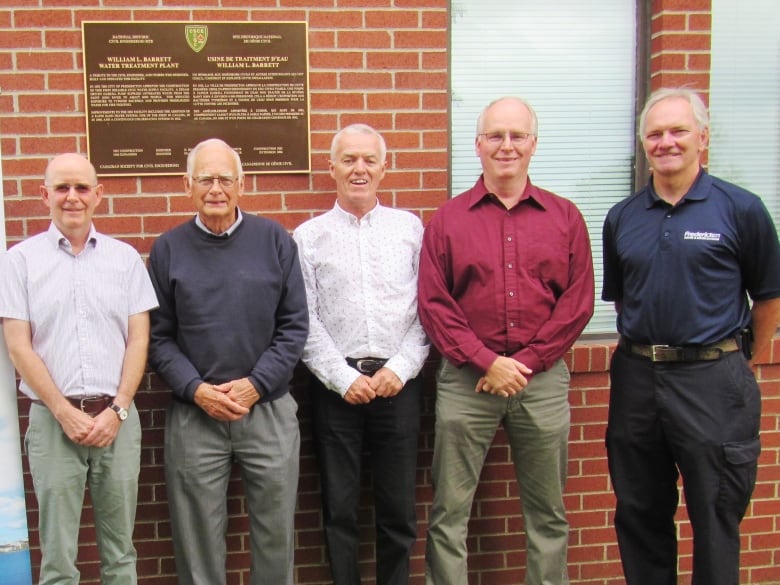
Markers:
75,308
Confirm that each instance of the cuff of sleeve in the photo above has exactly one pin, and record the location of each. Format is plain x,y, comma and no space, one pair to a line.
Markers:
400,367
528,357
343,379
483,359
261,391
189,390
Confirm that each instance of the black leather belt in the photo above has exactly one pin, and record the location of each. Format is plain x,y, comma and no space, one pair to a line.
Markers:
685,353
367,365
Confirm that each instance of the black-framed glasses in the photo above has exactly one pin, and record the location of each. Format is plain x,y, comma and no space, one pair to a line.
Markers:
206,181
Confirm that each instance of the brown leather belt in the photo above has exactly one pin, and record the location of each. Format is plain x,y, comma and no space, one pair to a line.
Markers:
91,405
367,365
685,353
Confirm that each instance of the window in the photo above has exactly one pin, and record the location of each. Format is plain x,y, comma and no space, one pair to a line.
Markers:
744,97
575,62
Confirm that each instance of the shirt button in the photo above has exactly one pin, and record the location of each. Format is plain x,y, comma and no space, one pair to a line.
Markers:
666,234
511,324
509,238
511,293
509,265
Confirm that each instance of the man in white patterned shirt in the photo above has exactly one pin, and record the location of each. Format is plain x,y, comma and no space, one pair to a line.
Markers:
75,309
365,348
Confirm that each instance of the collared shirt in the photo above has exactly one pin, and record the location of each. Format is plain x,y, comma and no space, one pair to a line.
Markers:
228,232
77,305
682,274
361,286
516,282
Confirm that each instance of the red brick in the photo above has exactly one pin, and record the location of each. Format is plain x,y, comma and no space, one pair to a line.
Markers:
335,19
392,19
684,5
680,42
339,101
668,22
392,60
365,80
420,39
348,39
341,60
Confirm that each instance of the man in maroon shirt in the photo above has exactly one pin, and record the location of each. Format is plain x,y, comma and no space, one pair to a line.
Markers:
505,288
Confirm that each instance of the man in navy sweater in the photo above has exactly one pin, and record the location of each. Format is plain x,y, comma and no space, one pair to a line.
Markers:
231,328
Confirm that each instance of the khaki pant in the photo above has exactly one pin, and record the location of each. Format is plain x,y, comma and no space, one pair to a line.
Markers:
60,470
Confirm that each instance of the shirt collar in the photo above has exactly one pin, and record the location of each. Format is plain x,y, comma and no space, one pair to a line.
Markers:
699,191
58,240
479,192
228,232
368,217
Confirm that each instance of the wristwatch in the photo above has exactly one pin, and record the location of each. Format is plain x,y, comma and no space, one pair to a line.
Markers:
121,413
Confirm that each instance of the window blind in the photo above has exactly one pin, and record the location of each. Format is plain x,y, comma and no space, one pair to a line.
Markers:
745,97
575,62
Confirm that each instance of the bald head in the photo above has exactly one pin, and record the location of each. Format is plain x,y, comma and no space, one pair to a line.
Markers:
71,162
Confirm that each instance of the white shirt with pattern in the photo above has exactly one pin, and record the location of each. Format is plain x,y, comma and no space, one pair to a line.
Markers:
361,286
77,306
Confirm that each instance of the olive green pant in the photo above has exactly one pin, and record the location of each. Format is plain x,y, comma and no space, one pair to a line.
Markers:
536,422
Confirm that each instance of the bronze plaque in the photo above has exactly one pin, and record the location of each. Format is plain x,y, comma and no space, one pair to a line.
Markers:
156,89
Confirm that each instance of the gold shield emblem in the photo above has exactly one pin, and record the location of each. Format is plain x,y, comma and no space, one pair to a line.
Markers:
196,36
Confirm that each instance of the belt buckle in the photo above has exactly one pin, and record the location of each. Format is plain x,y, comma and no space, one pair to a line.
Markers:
664,353
86,400
367,365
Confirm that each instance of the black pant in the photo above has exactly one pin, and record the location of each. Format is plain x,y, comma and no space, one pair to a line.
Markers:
388,429
697,419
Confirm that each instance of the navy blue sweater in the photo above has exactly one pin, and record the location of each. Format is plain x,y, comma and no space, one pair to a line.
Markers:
230,307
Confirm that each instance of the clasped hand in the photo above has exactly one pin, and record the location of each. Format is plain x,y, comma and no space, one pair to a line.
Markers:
87,431
505,377
383,384
227,402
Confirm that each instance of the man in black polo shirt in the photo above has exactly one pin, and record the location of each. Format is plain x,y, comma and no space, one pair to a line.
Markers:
681,258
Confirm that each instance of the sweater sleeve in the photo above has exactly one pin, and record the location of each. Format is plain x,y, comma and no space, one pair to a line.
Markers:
165,355
272,371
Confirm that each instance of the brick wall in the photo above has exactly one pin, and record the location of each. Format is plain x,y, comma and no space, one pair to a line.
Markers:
384,62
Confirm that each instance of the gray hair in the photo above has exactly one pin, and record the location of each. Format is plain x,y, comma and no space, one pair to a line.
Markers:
534,118
697,104
358,129
212,142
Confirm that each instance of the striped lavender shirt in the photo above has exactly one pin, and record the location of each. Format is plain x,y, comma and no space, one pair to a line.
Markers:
77,306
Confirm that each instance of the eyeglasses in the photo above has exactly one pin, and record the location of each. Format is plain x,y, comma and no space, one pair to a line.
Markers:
64,188
206,182
496,138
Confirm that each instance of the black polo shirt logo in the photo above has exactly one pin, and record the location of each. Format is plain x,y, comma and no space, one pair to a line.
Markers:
706,236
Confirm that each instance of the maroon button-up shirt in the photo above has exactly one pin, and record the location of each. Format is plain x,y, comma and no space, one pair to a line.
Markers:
515,282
